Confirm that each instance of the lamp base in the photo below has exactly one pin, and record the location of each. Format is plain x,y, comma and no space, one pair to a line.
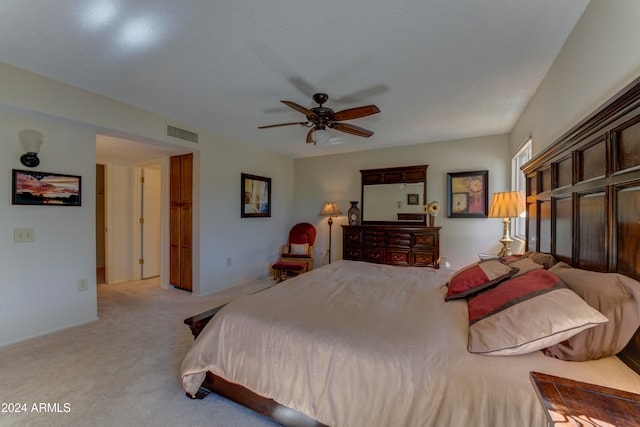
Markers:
506,239
330,222
506,248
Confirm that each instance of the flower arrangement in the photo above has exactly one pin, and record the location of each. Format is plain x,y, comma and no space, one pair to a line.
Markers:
432,208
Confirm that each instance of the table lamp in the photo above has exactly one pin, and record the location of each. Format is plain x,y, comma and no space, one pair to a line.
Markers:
506,205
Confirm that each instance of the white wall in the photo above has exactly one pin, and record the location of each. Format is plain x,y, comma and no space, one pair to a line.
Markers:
38,281
599,58
337,178
38,290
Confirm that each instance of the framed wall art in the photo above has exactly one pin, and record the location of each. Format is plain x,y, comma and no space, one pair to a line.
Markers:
413,199
255,195
44,188
467,194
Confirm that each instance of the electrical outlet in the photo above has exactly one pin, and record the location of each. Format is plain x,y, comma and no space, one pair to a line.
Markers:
23,235
444,262
83,284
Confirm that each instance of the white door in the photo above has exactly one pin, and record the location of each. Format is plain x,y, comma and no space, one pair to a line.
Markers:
150,227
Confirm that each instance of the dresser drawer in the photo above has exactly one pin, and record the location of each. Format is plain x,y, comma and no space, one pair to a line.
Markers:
352,237
374,238
396,257
398,239
354,254
374,255
426,240
423,259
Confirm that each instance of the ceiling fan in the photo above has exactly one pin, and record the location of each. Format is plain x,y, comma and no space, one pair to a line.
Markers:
320,118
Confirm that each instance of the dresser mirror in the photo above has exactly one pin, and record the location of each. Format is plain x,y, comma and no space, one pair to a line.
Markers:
394,195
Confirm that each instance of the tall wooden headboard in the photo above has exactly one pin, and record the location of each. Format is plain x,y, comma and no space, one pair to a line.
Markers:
583,195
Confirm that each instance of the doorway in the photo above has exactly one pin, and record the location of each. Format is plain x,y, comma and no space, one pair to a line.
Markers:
100,226
121,243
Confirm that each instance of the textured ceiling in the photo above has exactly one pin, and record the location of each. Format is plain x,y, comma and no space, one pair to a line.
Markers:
437,69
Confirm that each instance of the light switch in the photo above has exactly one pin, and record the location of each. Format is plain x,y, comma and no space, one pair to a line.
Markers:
23,235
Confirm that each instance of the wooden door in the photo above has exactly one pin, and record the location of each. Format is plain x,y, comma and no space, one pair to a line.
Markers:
180,239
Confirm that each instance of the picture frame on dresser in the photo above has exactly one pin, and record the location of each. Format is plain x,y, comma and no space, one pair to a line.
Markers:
468,194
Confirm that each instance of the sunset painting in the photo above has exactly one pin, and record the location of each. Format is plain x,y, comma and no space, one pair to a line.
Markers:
43,188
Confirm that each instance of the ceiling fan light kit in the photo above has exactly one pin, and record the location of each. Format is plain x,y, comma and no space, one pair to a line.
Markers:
321,136
320,118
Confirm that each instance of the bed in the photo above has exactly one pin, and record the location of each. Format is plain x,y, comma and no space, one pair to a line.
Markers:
356,343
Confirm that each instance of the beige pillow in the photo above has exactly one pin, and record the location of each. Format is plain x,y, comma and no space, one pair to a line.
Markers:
524,265
614,295
526,314
547,260
299,249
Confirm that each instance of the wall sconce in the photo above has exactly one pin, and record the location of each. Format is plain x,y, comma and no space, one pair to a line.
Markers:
31,142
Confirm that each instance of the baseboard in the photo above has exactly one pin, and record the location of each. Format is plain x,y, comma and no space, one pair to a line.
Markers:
51,331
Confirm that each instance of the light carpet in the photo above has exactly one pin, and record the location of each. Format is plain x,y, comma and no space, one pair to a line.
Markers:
122,370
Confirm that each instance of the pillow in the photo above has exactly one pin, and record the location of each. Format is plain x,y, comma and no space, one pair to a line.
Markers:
524,265
547,260
477,277
526,314
299,248
614,295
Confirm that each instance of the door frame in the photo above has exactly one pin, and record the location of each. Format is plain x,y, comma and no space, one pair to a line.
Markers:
164,219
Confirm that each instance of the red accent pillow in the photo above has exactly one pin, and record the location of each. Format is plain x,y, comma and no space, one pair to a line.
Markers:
477,277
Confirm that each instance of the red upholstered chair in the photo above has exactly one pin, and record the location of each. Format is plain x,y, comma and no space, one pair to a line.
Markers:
300,245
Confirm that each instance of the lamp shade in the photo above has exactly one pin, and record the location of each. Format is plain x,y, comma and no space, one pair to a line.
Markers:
31,140
330,209
509,204
320,136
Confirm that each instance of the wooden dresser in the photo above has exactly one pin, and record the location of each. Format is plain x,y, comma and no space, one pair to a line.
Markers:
408,245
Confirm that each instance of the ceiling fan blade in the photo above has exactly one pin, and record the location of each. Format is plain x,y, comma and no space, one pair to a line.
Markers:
283,124
310,136
352,129
355,113
299,108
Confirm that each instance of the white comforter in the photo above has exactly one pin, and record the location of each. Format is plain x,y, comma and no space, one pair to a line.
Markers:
359,344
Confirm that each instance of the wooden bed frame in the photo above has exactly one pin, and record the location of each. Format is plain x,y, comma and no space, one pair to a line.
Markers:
583,207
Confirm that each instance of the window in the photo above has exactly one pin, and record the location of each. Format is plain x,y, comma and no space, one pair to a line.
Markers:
518,183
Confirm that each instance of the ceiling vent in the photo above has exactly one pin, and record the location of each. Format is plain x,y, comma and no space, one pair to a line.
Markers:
187,135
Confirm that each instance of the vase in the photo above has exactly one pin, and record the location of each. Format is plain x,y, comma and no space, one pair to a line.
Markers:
432,220
354,214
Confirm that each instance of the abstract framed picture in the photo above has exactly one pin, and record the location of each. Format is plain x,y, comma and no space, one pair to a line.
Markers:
255,195
467,194
45,188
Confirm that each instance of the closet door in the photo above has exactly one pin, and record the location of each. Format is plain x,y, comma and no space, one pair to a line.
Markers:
180,238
